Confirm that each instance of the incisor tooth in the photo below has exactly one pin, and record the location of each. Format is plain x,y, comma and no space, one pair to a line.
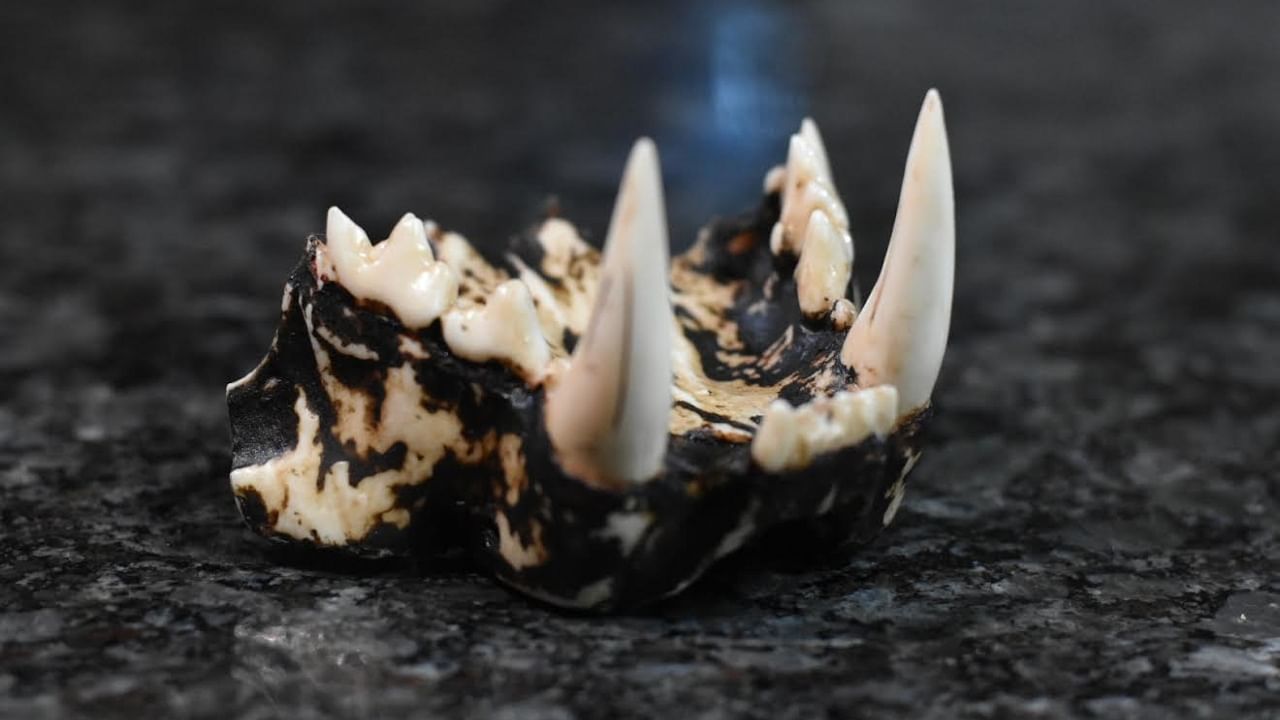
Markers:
608,414
790,437
400,272
900,335
826,261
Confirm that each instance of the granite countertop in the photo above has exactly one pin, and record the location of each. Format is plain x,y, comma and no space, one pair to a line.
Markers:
1092,533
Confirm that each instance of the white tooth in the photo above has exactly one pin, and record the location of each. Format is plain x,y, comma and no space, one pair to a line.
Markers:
399,272
409,239
343,236
775,179
842,315
608,414
826,261
900,335
790,438
505,329
808,187
809,131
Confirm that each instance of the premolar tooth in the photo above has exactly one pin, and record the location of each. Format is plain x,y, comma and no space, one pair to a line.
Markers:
900,335
826,261
608,414
505,328
809,131
400,272
808,186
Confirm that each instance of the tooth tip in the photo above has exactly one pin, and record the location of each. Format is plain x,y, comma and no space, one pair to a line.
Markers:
643,161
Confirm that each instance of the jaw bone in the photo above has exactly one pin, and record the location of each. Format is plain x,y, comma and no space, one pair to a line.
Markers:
608,413
901,334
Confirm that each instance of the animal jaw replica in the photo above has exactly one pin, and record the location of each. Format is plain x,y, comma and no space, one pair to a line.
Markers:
597,428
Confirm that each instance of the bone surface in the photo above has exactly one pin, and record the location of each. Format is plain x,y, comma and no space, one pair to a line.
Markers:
608,414
900,335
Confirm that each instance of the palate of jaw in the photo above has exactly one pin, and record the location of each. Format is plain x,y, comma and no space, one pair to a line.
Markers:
418,366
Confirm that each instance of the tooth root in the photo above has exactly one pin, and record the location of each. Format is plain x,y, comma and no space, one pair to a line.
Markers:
826,261
900,335
608,414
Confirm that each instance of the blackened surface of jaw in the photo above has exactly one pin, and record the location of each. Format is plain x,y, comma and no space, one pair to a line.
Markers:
497,490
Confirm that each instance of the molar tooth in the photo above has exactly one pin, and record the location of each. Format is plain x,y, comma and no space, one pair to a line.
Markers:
505,328
608,414
408,241
826,261
900,335
399,272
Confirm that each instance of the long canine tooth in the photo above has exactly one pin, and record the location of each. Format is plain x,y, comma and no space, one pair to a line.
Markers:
900,336
608,414
826,261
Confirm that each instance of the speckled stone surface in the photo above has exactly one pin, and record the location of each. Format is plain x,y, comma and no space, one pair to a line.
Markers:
1093,533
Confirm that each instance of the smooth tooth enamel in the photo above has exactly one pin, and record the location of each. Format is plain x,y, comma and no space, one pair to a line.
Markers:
790,438
842,315
608,413
808,198
802,172
400,272
900,335
505,329
809,131
826,261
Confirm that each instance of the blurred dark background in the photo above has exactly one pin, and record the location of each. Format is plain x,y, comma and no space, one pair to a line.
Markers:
1093,532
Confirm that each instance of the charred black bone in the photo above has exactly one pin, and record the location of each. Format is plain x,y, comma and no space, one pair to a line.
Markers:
599,428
